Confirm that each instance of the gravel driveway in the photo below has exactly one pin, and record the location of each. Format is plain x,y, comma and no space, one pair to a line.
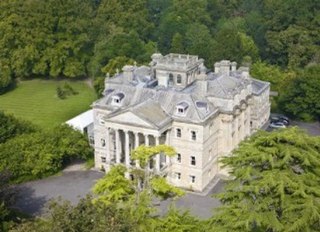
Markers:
71,185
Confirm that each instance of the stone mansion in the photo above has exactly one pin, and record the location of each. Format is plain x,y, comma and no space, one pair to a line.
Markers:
177,101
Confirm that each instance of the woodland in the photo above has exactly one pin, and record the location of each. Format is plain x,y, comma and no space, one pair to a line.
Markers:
276,175
86,39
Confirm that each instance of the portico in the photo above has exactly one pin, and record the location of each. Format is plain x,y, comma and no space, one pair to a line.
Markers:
120,141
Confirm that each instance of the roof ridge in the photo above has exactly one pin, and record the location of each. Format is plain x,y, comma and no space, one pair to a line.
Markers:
222,87
195,106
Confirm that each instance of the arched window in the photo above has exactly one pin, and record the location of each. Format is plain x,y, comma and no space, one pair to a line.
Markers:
179,79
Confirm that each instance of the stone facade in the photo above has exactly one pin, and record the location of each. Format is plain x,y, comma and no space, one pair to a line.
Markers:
176,101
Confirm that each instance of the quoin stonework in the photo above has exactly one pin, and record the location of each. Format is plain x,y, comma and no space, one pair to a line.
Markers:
177,101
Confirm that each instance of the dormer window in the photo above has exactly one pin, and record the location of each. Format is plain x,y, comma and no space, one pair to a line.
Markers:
117,98
202,105
182,108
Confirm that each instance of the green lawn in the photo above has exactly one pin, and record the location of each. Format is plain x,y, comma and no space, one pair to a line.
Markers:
36,101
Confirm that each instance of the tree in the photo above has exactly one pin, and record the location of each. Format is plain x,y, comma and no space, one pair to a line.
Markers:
11,127
178,221
199,42
42,153
7,198
274,184
300,98
115,187
5,75
135,196
85,217
292,35
277,77
177,43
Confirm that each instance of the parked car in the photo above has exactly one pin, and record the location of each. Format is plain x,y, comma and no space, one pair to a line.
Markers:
280,118
277,125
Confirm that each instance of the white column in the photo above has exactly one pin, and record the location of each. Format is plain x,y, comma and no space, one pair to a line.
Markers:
157,155
167,137
243,131
117,146
248,126
229,137
136,140
127,149
136,144
146,143
146,138
236,132
167,142
108,157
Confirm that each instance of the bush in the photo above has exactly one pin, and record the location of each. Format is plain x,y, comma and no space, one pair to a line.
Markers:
11,127
60,93
40,154
69,90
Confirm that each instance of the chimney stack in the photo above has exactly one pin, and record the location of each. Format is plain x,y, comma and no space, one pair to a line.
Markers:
128,72
216,67
233,66
244,72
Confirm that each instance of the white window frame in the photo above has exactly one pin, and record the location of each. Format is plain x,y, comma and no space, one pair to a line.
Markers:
193,135
193,160
103,142
192,179
180,133
178,158
179,77
178,175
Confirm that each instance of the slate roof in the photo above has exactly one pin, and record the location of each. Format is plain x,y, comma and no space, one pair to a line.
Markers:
158,105
258,86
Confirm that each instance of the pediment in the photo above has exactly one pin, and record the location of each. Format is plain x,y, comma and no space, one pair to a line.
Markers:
130,118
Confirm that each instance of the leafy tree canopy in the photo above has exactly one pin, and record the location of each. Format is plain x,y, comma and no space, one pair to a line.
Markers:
301,96
274,185
11,127
39,154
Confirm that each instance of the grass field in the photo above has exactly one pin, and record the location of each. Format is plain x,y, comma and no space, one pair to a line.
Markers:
37,101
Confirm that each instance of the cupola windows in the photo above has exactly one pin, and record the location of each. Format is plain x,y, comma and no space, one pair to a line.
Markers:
179,79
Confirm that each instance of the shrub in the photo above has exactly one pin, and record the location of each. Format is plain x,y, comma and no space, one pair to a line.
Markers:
60,93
